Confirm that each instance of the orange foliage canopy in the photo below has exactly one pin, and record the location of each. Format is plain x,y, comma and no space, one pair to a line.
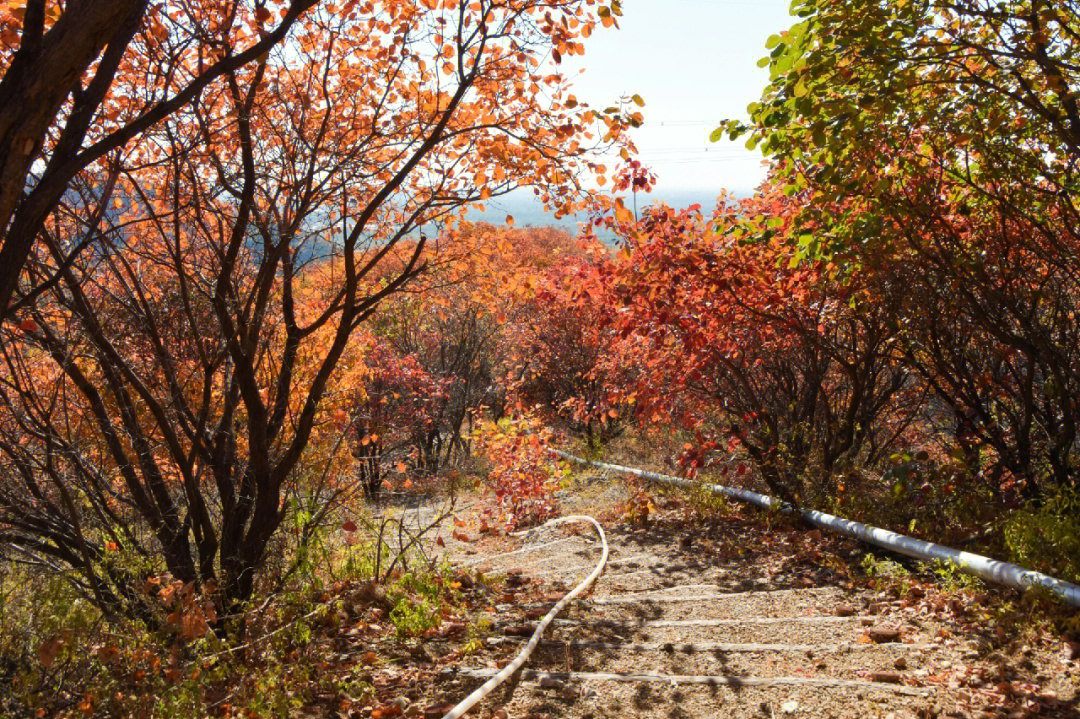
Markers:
174,374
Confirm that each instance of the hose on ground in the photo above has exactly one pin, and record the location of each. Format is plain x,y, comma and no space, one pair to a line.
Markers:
523,656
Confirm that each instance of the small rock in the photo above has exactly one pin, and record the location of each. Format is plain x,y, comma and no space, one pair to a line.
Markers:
900,663
499,714
887,677
552,683
844,610
1072,651
884,635
789,707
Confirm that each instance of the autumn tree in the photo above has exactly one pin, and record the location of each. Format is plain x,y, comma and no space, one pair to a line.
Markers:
394,406
787,366
81,80
567,360
937,143
161,396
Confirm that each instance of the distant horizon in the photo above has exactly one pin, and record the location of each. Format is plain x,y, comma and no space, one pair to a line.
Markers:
527,211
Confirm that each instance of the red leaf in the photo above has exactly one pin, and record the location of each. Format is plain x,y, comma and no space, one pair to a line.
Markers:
349,526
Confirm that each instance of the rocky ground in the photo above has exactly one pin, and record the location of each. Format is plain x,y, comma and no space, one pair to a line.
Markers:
735,614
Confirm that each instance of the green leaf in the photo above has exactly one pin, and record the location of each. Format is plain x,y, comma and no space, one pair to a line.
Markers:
716,135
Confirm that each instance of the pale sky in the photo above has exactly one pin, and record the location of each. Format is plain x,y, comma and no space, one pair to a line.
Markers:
694,62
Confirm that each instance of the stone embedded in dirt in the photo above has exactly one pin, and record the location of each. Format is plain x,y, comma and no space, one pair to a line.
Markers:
1072,651
436,711
499,714
536,612
883,635
900,663
844,610
789,707
887,677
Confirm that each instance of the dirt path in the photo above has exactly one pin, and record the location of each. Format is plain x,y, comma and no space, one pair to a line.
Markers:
740,619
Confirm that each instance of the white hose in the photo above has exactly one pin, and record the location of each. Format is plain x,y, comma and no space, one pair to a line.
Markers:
991,570
523,656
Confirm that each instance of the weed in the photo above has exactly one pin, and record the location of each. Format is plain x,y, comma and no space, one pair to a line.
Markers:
883,568
413,617
1047,538
951,577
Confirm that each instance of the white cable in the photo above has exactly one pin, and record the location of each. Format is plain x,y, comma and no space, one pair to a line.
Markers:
523,656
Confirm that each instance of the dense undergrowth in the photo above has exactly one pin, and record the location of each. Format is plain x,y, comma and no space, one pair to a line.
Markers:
60,656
